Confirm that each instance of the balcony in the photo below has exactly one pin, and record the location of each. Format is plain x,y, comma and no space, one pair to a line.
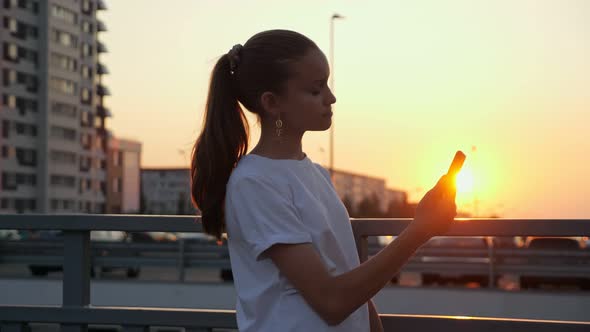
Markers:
100,26
77,313
100,47
101,5
103,111
102,69
102,90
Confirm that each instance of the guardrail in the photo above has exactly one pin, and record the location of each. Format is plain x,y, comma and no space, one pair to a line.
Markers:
76,313
483,265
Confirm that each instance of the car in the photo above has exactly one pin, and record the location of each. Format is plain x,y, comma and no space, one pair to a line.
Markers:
447,255
206,239
10,234
113,237
152,237
572,244
95,237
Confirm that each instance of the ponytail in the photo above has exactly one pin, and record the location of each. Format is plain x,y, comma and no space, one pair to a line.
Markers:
221,143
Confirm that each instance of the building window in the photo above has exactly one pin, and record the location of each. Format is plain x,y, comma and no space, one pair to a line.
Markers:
26,179
86,72
18,29
64,14
9,76
10,4
63,133
22,104
33,6
64,86
9,101
86,50
86,140
26,157
86,7
19,128
8,152
64,62
64,38
115,158
98,122
29,81
98,145
63,157
63,109
63,181
9,181
10,52
5,128
85,119
86,26
82,186
26,55
11,24
116,185
86,97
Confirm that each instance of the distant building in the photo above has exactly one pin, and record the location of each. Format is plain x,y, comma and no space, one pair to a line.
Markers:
123,176
357,187
396,196
166,191
52,118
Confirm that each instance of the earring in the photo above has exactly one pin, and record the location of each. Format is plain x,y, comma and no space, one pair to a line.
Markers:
279,125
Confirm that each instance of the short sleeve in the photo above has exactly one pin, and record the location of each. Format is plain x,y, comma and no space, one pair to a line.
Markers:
325,173
265,214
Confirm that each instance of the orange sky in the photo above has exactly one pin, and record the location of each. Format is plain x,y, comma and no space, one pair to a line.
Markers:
415,81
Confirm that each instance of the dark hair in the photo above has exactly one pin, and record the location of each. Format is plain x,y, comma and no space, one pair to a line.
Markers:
263,65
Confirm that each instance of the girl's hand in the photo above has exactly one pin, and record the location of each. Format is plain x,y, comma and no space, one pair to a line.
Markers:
437,210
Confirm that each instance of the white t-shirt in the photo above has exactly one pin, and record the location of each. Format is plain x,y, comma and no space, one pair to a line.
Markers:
270,201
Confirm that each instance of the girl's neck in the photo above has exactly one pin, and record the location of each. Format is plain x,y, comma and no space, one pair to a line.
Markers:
283,148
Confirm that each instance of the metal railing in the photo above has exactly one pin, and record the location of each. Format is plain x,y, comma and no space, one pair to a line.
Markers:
481,261
76,312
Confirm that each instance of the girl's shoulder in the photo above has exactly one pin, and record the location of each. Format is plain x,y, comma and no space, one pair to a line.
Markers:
251,169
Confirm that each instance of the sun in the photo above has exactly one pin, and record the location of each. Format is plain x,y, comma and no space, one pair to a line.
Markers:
465,181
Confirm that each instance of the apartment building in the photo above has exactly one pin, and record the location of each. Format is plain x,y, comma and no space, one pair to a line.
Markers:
53,119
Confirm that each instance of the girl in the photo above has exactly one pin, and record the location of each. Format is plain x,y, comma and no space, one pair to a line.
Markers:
291,245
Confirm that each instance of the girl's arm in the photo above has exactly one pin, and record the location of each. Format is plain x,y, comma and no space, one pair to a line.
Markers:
376,325
334,298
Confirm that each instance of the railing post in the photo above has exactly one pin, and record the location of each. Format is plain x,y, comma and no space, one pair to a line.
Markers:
76,277
181,260
491,265
362,246
14,327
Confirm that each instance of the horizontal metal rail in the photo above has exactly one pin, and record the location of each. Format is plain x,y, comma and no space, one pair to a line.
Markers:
139,319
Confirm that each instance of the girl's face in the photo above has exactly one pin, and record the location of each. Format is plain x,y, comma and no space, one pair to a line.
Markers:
307,100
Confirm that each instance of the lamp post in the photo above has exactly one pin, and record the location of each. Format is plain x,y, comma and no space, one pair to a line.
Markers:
332,19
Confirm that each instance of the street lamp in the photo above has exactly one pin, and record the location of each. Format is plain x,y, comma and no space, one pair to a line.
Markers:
332,19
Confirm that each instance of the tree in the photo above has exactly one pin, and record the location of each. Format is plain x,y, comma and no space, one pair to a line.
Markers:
370,207
142,207
181,204
349,205
397,209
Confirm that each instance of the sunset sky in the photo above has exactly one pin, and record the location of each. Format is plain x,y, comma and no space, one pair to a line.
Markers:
415,81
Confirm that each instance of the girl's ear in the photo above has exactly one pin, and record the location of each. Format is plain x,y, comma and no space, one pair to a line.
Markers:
270,103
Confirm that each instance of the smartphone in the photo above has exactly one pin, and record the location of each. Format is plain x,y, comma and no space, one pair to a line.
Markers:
457,163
